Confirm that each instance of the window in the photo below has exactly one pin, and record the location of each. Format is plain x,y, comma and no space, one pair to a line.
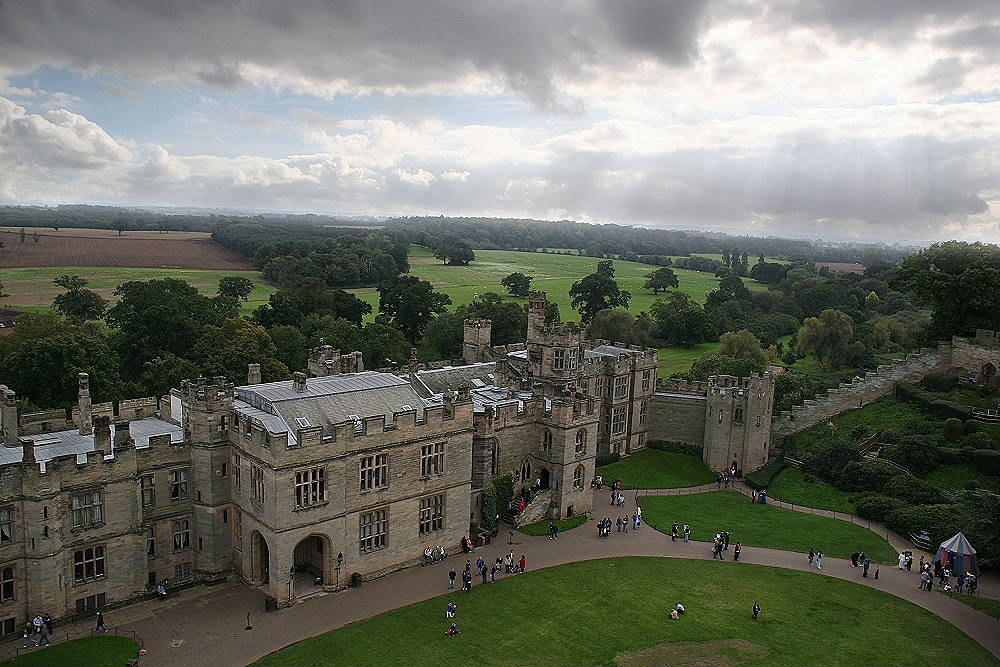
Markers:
7,584
225,469
91,602
599,387
151,540
572,358
581,441
546,440
88,564
7,524
621,386
738,415
179,484
225,516
559,360
375,471
237,530
431,514
374,526
8,626
526,470
432,459
257,482
642,411
87,509
182,571
758,420
237,480
618,420
578,478
646,379
182,534
223,422
148,492
721,414
495,459
310,487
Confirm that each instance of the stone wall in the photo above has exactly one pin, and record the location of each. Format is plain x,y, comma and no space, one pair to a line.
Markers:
971,354
677,417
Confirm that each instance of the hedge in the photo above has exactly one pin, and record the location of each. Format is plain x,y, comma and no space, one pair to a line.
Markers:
939,382
606,459
941,521
912,490
761,479
869,475
678,447
931,405
878,507
987,461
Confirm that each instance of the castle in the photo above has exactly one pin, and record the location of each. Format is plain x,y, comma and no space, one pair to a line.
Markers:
337,475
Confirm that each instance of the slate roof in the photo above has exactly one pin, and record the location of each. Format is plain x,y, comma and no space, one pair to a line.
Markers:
610,350
453,378
50,445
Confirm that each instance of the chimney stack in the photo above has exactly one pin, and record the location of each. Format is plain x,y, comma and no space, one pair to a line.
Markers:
123,436
299,381
102,434
253,374
83,403
414,363
8,416
28,450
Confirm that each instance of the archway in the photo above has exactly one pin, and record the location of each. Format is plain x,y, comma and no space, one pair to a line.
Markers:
312,561
260,559
543,475
987,372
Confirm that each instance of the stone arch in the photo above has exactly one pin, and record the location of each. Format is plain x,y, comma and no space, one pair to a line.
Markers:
260,560
313,556
986,373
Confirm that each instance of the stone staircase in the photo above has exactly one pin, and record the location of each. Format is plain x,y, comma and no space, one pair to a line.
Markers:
537,510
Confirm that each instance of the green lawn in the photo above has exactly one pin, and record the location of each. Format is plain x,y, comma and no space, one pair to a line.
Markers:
676,359
759,525
614,611
795,486
542,527
954,476
104,651
33,286
655,469
985,605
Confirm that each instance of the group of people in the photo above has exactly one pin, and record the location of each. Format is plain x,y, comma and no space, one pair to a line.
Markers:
509,564
675,532
964,583
816,558
38,631
859,559
621,523
721,543
432,556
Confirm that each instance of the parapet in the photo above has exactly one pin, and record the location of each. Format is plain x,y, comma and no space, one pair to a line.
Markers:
202,389
675,386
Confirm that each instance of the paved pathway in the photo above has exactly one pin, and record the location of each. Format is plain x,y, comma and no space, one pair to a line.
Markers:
209,629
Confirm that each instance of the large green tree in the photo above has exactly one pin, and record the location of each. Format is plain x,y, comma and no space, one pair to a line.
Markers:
409,304
681,321
828,337
237,287
517,284
615,324
78,303
960,281
229,348
291,346
302,297
446,334
661,280
383,345
598,291
162,373
510,322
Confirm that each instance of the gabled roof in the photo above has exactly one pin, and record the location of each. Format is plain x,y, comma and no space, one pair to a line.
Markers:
453,378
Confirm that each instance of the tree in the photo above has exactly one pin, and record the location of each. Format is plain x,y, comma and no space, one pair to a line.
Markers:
661,280
510,321
828,337
228,349
165,372
409,303
309,296
731,288
681,321
290,346
716,363
614,324
769,272
21,235
960,281
78,303
598,292
383,345
446,334
743,345
338,333
517,284
237,287
455,254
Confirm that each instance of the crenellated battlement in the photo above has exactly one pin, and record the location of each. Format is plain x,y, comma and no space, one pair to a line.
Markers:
206,389
676,386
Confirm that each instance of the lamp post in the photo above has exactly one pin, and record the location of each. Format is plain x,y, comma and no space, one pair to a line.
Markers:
340,561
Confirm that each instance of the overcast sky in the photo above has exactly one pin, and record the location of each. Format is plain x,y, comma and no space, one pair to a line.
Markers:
877,120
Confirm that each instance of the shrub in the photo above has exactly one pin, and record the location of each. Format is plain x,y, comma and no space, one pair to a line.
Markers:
972,485
971,426
912,490
987,461
761,479
866,475
947,410
948,455
878,507
940,382
914,454
953,429
941,521
606,459
828,459
678,447
966,454
978,440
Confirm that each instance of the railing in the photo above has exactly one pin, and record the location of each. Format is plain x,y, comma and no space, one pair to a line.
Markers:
793,462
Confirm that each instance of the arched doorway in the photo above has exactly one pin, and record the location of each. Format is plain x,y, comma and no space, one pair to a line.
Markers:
313,565
986,374
543,474
526,472
260,559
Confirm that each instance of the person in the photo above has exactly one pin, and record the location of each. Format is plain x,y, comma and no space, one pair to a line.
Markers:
161,591
523,563
854,559
819,560
961,583
718,481
674,615
756,610
725,540
37,622
47,620
553,531
467,581
902,560
452,575
485,572
493,572
428,556
638,509
687,532
763,496
450,611
453,630
508,562
921,563
44,640
679,608
624,524
100,623
812,555
736,551
717,549
510,537
468,545
909,562
864,566
753,495
600,482
480,565
970,583
464,541
28,627
925,580
876,570
674,530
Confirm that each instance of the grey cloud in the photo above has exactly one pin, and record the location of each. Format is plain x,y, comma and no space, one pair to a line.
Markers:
223,76
945,75
120,91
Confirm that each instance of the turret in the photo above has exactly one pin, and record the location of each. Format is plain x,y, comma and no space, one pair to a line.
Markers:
738,422
253,374
83,404
8,416
476,339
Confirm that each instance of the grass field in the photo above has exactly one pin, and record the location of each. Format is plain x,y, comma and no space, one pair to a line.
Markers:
986,605
795,486
655,469
614,612
106,651
954,477
32,288
542,527
759,525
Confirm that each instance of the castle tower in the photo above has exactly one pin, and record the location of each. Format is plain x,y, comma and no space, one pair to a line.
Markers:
476,339
537,302
8,416
208,411
83,403
555,351
738,422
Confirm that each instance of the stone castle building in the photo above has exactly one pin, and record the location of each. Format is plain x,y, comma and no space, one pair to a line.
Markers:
336,475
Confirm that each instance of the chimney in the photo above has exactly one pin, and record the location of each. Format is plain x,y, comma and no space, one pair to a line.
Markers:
123,436
299,381
8,416
28,450
102,434
83,403
253,374
414,364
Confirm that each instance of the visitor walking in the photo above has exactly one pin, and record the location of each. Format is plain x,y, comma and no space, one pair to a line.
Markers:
812,555
523,564
467,581
864,567
756,610
625,524
493,572
902,560
100,623
876,570
674,532
687,532
736,551
485,573
854,559
452,575
925,581
819,560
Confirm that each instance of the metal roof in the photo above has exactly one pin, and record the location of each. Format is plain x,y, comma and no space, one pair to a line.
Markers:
324,386
50,445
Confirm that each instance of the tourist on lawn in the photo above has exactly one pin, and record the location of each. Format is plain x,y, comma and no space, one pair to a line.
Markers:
756,610
753,495
679,608
100,623
452,575
674,531
450,611
819,560
523,564
674,616
453,630
902,560
687,533
736,551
